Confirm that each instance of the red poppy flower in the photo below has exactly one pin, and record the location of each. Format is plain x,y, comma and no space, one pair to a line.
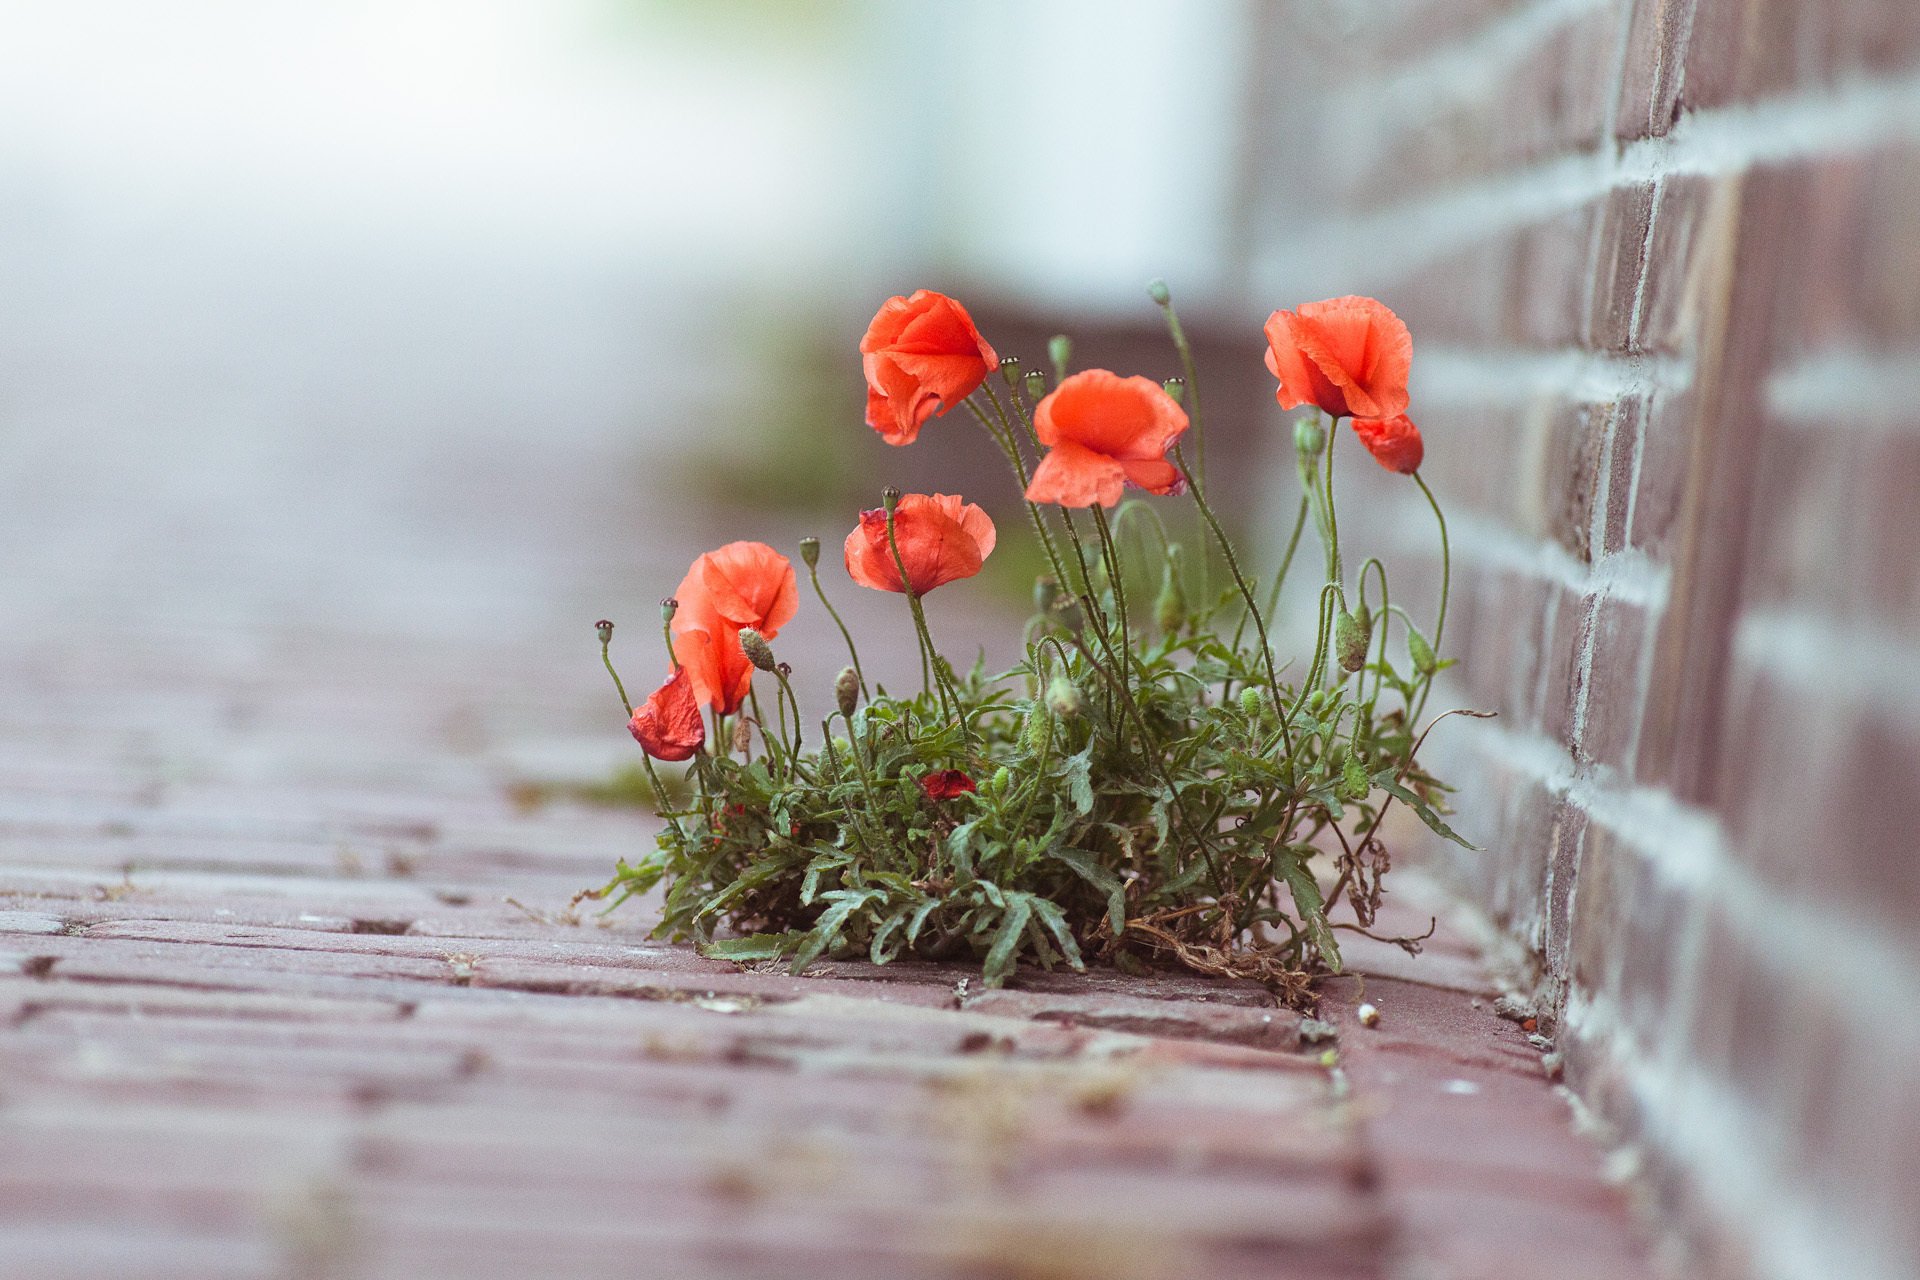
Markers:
942,538
1105,431
922,356
667,725
1394,442
743,584
945,784
1349,356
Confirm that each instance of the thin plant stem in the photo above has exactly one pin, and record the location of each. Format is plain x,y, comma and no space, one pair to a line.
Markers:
813,571
1111,552
1240,581
938,683
1446,561
1190,372
607,658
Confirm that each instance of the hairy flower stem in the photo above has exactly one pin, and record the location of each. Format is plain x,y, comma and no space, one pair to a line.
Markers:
1066,516
1446,573
1240,581
607,658
1191,374
813,571
1335,571
646,761
1110,552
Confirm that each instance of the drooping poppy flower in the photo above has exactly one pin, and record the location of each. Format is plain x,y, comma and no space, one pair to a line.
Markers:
1394,442
1105,431
1350,356
922,356
942,538
945,784
743,584
667,725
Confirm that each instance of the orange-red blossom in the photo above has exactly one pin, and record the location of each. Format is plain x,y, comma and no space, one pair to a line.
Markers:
667,725
942,538
1394,442
1105,432
922,356
1349,356
743,584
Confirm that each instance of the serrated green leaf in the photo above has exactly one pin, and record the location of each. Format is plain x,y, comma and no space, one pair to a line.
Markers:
1001,959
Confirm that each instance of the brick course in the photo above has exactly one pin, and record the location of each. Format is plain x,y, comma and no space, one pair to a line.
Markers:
1686,565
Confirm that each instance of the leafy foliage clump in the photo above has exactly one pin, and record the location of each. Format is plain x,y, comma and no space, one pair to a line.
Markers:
1142,789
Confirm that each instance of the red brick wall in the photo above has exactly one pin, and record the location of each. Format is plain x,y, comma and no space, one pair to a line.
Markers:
1661,259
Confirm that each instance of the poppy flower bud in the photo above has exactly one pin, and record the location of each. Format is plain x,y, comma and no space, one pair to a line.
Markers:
890,498
1002,780
810,551
1349,641
668,608
1253,702
605,629
1046,589
1354,782
1309,438
1176,389
1060,351
1036,384
1170,609
758,651
1063,697
1424,659
846,690
1157,290
1039,727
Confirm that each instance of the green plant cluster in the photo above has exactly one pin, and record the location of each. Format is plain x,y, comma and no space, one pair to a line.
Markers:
1145,788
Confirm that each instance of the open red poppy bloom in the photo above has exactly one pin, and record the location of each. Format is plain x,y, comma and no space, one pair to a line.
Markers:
743,584
942,538
1104,432
922,356
1350,356
667,725
1394,442
945,784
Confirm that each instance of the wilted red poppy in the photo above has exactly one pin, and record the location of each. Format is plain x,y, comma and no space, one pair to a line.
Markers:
1105,431
1394,442
667,725
922,356
945,784
1349,356
942,538
743,584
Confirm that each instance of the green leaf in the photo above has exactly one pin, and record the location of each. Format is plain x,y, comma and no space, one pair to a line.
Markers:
1056,922
1385,781
1002,957
759,946
1312,908
1089,869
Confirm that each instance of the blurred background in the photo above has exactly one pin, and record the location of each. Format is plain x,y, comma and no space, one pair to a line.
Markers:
354,358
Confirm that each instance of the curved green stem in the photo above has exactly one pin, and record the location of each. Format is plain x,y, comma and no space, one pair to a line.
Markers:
813,572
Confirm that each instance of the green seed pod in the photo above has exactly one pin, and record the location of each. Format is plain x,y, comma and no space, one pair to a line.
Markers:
1424,660
1176,389
1039,727
846,690
1354,782
668,608
1063,697
810,551
759,652
1036,384
605,629
1170,610
1068,613
1349,641
1309,438
1010,370
1157,290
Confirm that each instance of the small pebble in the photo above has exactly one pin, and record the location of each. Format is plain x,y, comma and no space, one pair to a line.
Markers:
1513,1008
1540,1042
1369,1016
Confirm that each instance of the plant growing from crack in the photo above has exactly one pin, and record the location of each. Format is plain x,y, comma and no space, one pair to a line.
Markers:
1146,786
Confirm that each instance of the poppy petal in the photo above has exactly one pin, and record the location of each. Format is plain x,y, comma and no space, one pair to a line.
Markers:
667,725
1073,475
1395,443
